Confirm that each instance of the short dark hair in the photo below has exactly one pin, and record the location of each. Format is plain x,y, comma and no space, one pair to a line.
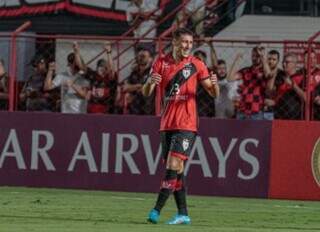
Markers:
2,61
200,52
274,52
37,59
221,62
181,31
145,49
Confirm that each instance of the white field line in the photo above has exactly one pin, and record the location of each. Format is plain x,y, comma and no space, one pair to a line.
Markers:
128,198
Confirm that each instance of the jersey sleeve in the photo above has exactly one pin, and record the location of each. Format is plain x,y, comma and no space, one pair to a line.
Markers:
203,72
156,67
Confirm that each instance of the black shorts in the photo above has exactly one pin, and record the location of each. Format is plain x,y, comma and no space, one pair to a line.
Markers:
179,143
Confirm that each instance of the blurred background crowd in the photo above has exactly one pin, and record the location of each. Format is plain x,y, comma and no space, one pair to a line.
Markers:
267,84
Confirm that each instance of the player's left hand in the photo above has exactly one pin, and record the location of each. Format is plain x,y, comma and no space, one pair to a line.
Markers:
213,78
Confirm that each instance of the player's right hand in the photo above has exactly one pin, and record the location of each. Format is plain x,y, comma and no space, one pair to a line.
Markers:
155,78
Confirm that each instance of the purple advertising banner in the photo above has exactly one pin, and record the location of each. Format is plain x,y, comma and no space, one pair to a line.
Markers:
123,153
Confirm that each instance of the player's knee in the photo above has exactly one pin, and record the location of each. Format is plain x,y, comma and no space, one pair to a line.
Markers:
174,163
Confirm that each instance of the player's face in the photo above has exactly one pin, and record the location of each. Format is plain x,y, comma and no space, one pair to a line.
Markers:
183,45
273,61
222,70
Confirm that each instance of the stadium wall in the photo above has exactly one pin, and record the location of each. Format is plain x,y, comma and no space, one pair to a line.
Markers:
122,153
295,160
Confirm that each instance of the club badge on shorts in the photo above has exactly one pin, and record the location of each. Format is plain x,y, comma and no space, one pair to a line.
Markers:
185,144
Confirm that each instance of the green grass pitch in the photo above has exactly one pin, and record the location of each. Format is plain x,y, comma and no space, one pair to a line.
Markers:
53,210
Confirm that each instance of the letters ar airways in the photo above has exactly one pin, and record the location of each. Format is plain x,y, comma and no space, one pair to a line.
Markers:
127,148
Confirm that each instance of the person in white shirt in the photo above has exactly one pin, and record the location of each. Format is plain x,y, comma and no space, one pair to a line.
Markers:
74,86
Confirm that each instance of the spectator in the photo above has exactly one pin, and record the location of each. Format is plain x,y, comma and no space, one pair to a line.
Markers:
32,96
290,96
136,102
315,82
225,103
74,87
222,106
316,102
103,85
194,9
252,90
276,75
142,15
214,8
3,87
205,103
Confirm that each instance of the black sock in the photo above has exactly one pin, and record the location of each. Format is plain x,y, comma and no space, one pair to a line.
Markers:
167,186
180,195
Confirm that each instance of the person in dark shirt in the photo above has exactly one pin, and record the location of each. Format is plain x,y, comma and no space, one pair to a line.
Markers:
136,103
205,103
290,96
314,82
33,95
3,87
276,76
103,85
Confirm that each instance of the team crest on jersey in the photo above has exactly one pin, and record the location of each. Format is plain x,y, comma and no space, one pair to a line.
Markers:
186,71
185,144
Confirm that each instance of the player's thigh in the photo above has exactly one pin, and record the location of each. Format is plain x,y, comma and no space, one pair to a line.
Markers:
180,148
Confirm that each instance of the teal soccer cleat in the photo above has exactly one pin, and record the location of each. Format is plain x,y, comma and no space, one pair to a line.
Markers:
179,220
153,216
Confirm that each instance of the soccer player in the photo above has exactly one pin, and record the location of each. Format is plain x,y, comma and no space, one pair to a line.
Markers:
177,75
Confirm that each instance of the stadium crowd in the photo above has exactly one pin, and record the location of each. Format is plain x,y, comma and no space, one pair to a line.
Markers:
268,89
